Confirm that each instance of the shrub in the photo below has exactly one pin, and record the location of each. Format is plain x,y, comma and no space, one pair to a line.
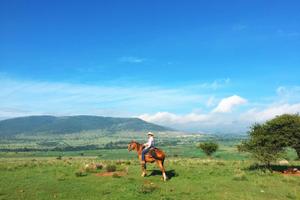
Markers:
209,147
115,175
220,163
240,177
90,170
119,162
98,166
80,173
147,188
111,168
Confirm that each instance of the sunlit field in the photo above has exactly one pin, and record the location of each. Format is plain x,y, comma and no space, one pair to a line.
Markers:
66,175
50,178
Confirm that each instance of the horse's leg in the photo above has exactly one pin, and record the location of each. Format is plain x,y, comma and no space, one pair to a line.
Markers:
143,164
162,169
144,172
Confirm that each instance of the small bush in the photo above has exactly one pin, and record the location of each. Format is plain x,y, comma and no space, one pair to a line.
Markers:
90,170
220,163
80,174
147,188
115,175
240,177
59,158
98,166
111,168
291,196
119,162
93,167
209,147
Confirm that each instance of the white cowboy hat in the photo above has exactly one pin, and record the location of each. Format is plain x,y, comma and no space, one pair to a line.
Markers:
150,133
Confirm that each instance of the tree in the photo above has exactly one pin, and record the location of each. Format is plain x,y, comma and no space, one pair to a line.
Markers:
287,129
263,146
209,147
268,141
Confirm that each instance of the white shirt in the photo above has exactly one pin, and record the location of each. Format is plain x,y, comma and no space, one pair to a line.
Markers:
150,142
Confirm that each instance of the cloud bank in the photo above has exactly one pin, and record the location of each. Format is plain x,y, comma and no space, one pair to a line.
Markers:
200,107
223,118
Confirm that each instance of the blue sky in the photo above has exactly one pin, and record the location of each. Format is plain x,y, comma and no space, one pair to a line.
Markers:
194,65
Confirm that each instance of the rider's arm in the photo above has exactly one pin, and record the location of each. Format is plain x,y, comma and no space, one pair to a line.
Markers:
148,144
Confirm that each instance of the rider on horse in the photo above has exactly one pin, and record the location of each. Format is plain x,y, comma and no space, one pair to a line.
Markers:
147,146
157,156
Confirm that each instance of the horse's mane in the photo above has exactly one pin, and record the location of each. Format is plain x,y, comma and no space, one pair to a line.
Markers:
138,145
133,141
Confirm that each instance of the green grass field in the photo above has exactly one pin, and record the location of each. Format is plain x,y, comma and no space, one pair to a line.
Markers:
45,175
49,178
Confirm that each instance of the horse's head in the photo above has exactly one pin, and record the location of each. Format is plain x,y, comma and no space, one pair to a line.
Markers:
132,145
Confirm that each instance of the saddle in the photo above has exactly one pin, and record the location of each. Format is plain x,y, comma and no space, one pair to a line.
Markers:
152,152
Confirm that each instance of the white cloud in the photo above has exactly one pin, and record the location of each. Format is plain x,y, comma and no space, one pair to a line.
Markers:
198,122
220,122
256,115
171,118
126,100
227,104
201,104
223,119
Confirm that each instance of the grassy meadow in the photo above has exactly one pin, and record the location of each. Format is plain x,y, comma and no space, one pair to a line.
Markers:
50,178
63,175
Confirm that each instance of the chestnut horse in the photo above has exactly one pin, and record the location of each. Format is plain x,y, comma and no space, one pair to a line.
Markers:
159,158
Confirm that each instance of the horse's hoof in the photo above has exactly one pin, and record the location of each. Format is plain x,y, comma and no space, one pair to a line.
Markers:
165,178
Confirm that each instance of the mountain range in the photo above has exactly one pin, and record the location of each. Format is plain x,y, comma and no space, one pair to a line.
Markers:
73,124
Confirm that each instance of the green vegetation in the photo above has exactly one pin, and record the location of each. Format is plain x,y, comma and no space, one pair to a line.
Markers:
209,147
35,125
48,178
267,142
95,164
228,175
111,168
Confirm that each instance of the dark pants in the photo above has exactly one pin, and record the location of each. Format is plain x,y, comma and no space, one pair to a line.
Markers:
146,150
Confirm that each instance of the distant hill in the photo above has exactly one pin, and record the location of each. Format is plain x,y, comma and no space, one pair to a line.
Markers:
73,124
